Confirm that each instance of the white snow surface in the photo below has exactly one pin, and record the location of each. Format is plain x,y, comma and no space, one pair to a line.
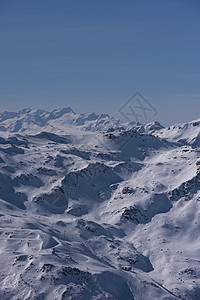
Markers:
95,209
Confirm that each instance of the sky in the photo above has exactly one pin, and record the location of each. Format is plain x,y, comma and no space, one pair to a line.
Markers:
95,55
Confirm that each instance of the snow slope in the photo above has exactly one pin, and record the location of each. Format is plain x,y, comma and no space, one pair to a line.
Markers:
95,209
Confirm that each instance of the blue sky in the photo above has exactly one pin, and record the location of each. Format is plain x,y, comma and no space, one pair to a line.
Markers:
93,55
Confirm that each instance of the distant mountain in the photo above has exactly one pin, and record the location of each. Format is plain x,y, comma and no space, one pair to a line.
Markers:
57,121
91,208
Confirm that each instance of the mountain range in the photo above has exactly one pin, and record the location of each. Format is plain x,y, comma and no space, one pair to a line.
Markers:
91,208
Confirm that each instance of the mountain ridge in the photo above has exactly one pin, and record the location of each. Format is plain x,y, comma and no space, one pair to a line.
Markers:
53,121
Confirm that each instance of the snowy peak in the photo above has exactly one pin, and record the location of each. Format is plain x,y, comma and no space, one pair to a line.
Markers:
185,133
152,127
58,113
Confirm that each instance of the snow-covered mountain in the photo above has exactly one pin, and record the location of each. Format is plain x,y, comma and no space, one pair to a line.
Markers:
57,121
95,209
185,133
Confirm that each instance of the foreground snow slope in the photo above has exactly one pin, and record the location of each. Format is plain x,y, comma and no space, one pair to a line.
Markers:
92,209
